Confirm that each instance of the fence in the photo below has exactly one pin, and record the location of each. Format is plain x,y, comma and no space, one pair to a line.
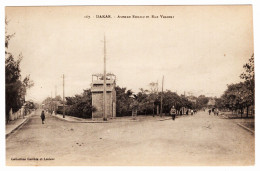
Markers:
19,114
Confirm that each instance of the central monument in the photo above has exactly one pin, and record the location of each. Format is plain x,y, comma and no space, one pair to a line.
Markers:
97,90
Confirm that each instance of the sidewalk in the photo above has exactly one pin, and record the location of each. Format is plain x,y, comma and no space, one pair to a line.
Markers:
16,124
245,123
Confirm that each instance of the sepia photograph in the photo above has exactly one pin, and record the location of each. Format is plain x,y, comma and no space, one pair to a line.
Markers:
163,85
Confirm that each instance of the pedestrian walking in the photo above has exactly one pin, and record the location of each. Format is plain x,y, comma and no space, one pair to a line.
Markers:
216,112
43,117
191,112
173,112
209,111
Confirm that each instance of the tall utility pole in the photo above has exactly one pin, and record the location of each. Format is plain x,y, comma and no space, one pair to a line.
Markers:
63,98
157,86
55,91
51,107
105,83
157,106
55,104
162,97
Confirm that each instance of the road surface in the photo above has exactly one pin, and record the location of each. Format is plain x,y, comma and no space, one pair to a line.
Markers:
189,140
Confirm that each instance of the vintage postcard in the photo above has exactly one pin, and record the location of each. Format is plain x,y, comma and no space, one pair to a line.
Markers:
129,85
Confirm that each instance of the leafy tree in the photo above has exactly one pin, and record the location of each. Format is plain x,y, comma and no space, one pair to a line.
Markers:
220,104
249,73
146,101
249,77
184,102
58,98
123,101
171,99
80,105
52,103
15,86
202,101
235,97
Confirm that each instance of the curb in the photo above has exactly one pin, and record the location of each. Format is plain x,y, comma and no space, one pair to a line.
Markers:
164,119
16,128
80,121
224,116
246,128
93,121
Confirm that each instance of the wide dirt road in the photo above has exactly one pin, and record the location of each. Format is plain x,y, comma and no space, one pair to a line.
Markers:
190,140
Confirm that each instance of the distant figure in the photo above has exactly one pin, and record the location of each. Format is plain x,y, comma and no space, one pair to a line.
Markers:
187,112
173,112
216,112
43,117
209,111
195,111
191,112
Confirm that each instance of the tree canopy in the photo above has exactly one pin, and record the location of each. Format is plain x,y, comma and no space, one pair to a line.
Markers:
15,86
240,95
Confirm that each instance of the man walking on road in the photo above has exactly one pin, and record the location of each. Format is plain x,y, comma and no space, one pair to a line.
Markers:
173,112
43,117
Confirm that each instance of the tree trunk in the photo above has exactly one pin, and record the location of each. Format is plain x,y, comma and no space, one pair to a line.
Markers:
247,111
153,109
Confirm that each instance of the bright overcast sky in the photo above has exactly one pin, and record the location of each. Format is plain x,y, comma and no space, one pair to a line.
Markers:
200,50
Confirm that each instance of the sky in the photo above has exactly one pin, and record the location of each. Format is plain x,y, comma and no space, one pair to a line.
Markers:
199,51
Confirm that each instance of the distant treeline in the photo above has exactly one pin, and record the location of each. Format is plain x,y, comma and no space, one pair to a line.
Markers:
147,102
